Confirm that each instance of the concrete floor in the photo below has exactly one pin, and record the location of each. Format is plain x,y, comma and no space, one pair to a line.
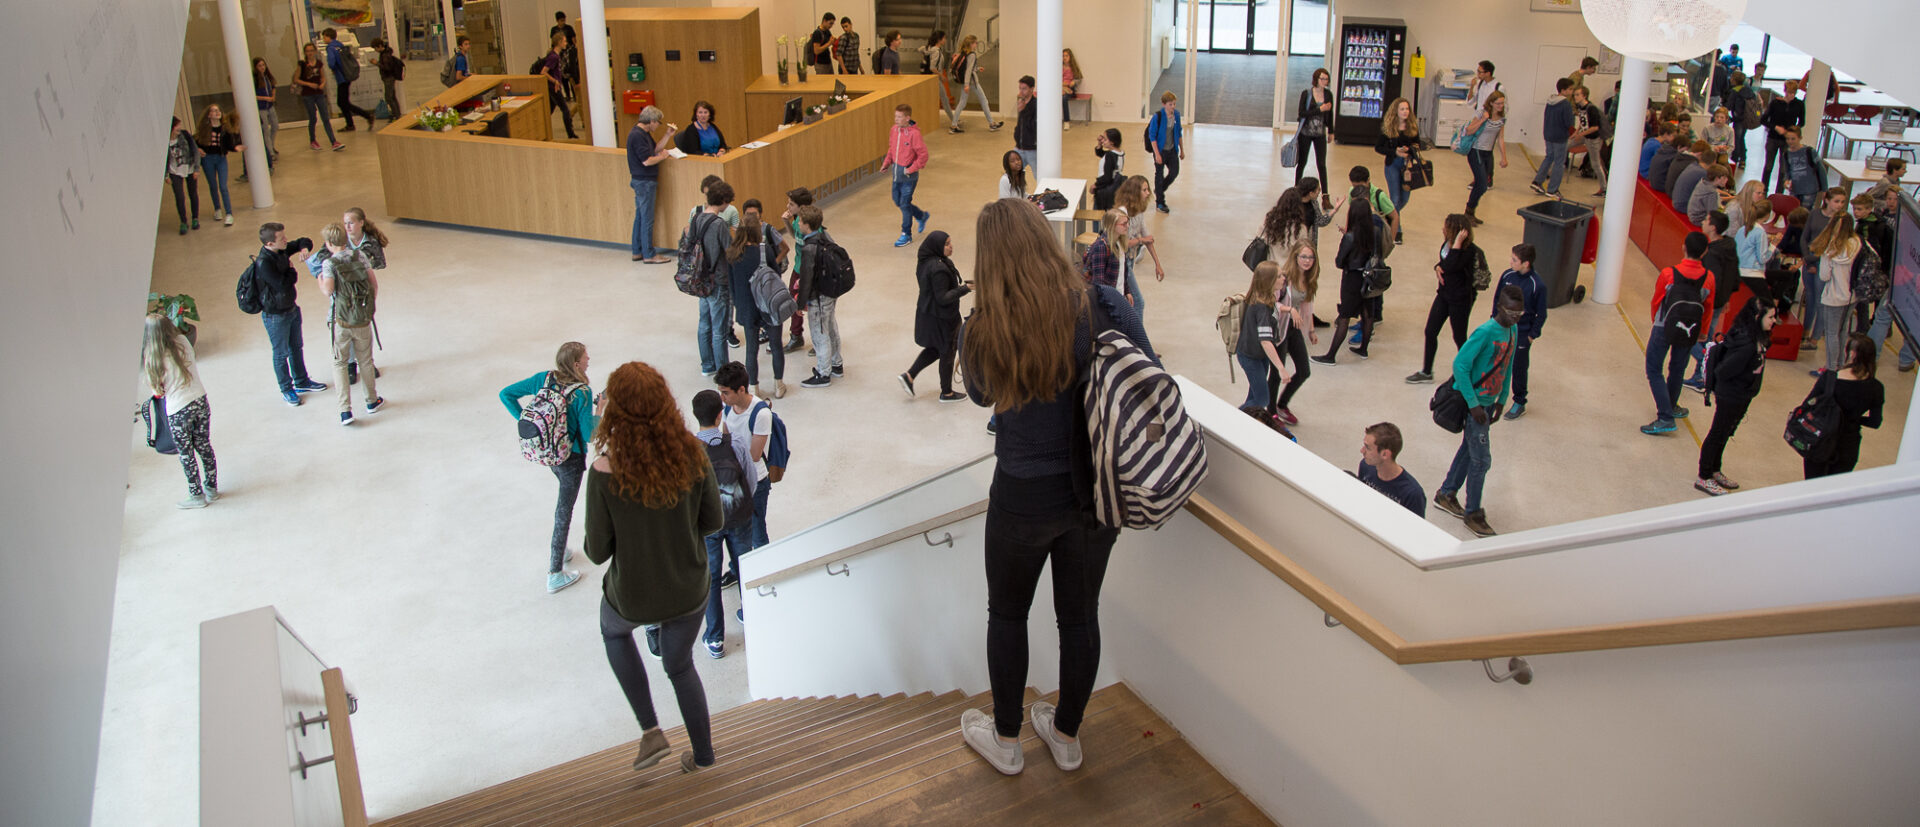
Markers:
410,548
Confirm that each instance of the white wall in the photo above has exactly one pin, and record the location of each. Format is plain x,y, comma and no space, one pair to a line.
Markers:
1108,38
1843,34
83,168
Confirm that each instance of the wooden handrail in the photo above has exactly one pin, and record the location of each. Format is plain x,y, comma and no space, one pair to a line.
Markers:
1841,616
346,765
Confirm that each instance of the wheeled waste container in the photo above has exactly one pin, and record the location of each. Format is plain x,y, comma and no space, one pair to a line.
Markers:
1558,232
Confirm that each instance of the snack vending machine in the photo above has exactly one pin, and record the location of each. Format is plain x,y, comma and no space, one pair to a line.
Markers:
1371,59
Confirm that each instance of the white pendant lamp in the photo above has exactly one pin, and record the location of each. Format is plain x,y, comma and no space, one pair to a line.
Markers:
1663,31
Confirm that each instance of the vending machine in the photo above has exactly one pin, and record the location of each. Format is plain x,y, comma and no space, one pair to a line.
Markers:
1372,57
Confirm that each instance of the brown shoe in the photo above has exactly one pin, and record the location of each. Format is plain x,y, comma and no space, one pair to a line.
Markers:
636,257
1448,503
1477,523
653,747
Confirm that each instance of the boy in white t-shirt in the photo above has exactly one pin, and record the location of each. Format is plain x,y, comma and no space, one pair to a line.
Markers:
731,381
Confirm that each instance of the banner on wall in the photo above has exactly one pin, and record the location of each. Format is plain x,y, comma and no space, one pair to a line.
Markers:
344,12
1572,6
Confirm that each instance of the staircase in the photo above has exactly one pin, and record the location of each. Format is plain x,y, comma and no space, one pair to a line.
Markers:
873,760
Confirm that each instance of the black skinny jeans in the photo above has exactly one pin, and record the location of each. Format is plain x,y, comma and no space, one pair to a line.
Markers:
1727,413
1445,311
191,186
1318,146
1294,349
342,96
569,474
1029,521
929,356
676,655
1522,356
1163,175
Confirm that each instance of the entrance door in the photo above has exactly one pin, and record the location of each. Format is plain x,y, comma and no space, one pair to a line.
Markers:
1232,26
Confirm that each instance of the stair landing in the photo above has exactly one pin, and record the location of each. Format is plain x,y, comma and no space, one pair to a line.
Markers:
872,760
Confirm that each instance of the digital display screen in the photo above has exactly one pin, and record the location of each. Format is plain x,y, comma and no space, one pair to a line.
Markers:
1905,268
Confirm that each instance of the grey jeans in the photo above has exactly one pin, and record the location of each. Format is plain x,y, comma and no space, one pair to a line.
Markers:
825,330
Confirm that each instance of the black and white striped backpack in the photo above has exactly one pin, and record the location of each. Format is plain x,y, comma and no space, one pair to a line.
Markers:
1148,455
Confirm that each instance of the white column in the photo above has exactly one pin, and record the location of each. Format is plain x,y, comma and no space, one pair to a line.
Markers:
397,41
1816,98
233,29
1635,76
446,14
1280,65
1193,42
1048,19
593,59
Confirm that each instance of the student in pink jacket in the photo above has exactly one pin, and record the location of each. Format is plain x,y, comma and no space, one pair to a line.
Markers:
906,155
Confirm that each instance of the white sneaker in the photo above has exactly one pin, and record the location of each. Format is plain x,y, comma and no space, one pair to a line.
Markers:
1066,754
229,219
977,728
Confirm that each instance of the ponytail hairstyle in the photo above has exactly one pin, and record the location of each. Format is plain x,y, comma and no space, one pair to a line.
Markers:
369,229
564,372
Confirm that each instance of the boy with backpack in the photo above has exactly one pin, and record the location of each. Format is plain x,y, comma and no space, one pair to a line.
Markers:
1682,304
825,274
703,273
796,198
348,281
730,457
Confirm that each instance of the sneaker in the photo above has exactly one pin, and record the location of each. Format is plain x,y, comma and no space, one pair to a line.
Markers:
839,371
740,615
688,766
816,381
1680,413
1658,426
1537,189
229,219
762,338
1066,754
779,390
996,126
903,240
1355,338
309,386
1477,523
954,130
375,405
210,495
653,747
717,649
810,353
976,728
1709,488
1419,377
993,427
729,580
192,501
353,373
1695,385
1320,323
906,383
183,228
1358,350
733,339
795,345
1555,195
337,146
1066,127
561,579
1906,368
346,417
1320,359
1518,410
1728,484
1447,502
952,396
196,223
1162,208
292,400
924,218
1286,416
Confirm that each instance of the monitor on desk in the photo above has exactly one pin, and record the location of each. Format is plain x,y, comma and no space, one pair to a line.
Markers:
794,113
839,89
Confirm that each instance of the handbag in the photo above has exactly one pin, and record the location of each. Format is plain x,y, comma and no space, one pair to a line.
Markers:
1815,420
159,434
1449,408
1290,151
1464,143
1482,276
1375,280
1049,200
1255,253
1419,173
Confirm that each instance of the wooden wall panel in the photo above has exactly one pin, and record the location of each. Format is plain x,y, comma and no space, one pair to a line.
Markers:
733,34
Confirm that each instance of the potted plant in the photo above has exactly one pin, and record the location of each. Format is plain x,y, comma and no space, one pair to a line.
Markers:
801,64
438,119
781,43
836,103
180,310
816,112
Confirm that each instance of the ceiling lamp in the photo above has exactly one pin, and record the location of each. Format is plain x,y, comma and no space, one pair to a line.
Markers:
1663,31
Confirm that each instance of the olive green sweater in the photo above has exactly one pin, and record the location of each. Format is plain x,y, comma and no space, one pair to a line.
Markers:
659,555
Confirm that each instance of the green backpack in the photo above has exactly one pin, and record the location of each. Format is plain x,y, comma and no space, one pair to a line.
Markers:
352,291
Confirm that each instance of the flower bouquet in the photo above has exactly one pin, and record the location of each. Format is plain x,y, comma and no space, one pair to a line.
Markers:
438,119
836,103
782,43
816,112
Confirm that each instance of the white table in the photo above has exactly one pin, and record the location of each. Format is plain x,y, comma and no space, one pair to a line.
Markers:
1851,172
1859,133
1075,189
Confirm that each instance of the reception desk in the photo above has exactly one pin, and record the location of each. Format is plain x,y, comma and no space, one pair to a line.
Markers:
577,191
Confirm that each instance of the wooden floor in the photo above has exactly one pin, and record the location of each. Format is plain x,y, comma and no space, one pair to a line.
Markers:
872,760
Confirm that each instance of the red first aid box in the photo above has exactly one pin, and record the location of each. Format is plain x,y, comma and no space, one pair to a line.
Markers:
634,100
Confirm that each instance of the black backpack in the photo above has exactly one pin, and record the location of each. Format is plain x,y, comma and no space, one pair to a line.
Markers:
1816,419
247,293
695,274
832,268
736,505
958,71
1869,278
1684,309
349,64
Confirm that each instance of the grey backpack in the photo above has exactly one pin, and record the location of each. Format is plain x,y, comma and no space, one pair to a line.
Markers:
770,294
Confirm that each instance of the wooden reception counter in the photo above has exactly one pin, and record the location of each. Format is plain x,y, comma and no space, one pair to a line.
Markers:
577,191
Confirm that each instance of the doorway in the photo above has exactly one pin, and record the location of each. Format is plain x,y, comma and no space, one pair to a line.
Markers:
1245,27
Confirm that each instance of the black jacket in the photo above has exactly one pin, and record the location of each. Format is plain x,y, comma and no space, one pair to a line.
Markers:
1025,128
1722,259
1456,272
1783,113
276,277
1739,361
1309,112
688,140
936,316
1386,145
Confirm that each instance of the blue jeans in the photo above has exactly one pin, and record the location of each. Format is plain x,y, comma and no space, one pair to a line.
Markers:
643,191
1671,357
1030,157
1882,325
1396,187
1131,287
1256,371
1699,349
1834,324
216,168
1810,290
318,112
904,184
734,537
760,494
289,352
1552,166
1470,464
1480,162
752,321
712,335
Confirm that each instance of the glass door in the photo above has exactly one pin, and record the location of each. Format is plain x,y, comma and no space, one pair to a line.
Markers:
1231,26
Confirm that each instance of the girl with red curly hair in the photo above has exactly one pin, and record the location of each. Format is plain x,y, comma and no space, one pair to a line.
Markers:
651,501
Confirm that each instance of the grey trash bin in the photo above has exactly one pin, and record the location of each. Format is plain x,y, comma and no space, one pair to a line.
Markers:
1558,232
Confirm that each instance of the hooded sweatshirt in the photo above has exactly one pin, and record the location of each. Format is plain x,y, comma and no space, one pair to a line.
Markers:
1688,269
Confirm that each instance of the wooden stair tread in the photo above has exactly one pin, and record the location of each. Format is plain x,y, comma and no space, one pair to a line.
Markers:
871,760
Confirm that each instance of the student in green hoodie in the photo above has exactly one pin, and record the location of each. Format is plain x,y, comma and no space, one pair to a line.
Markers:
1481,372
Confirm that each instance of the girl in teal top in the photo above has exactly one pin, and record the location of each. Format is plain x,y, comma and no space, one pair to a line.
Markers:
570,369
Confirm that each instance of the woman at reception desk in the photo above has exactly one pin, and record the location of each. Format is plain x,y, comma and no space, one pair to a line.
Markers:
526,183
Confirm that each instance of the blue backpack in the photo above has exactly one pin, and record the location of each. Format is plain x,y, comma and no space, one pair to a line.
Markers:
777,451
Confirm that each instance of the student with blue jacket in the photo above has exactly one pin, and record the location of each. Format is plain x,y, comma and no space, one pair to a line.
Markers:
569,374
1533,294
1164,141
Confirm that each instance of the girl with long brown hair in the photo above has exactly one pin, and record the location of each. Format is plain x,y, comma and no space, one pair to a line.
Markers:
217,135
1300,277
1026,349
1454,295
1263,331
1488,133
1399,143
569,379
1316,120
166,363
1836,247
651,501
1860,398
753,245
1133,197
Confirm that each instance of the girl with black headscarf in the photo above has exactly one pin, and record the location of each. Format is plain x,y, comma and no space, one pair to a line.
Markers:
936,316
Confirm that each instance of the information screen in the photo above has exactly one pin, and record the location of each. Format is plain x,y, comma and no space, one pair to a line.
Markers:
1905,268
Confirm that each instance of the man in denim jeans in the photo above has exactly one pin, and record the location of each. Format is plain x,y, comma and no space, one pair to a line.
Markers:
277,282
645,151
906,156
1667,349
738,537
1555,129
711,230
1482,370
